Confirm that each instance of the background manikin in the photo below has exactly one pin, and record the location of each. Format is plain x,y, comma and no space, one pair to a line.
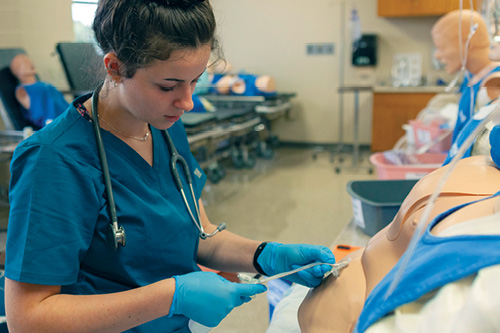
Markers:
41,101
455,46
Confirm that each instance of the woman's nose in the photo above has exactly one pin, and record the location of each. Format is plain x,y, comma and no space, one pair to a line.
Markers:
184,100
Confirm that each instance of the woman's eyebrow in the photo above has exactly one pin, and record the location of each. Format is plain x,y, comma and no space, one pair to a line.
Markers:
173,79
179,80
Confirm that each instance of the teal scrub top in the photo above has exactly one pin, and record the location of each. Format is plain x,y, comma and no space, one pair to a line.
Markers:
58,223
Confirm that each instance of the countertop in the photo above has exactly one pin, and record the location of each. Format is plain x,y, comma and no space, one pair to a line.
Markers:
409,90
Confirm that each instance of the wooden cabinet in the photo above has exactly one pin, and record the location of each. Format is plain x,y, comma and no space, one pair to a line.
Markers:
402,8
390,112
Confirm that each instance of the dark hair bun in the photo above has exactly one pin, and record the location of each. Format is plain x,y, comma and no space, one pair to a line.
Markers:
177,3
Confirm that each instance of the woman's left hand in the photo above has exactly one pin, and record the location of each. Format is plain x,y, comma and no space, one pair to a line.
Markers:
277,258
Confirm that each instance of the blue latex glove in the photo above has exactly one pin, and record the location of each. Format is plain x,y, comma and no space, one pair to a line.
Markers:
207,298
278,258
495,145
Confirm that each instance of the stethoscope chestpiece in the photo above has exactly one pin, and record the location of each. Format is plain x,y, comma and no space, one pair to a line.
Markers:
116,236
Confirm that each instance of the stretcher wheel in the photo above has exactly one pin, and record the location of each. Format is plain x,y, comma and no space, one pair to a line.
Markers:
250,162
268,154
273,140
264,151
238,161
216,174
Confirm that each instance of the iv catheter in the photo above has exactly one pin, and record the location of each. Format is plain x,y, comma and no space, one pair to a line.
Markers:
335,271
116,232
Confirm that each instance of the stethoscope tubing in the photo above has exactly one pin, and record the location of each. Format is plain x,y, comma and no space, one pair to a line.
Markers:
116,234
102,156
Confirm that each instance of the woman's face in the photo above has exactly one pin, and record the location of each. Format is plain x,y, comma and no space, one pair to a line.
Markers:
160,93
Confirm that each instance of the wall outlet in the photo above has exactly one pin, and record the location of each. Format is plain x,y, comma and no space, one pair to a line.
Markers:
319,48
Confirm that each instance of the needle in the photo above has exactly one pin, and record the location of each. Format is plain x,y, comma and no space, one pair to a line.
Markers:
335,271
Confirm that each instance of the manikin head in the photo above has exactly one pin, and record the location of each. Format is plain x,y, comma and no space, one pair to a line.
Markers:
23,69
448,42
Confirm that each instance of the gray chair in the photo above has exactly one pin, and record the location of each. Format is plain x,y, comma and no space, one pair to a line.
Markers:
82,65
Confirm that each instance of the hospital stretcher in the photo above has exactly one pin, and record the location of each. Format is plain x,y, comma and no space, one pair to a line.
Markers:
224,133
269,108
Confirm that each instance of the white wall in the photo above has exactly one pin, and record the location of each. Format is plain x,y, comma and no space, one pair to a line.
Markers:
36,26
270,37
264,37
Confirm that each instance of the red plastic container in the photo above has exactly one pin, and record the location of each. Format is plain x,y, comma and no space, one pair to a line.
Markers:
426,134
426,164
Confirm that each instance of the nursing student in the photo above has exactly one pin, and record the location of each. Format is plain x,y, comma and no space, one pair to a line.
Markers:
66,266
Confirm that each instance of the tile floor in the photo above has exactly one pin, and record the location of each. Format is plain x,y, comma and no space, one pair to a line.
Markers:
291,199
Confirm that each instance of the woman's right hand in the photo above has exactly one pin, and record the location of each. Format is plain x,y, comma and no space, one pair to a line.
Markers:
207,298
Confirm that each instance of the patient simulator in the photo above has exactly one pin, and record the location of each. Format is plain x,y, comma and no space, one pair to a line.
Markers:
455,261
462,43
41,101
473,179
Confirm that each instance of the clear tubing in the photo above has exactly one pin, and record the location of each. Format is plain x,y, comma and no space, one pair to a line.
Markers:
462,49
493,116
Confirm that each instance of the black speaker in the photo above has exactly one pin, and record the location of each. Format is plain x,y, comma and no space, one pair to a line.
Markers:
364,51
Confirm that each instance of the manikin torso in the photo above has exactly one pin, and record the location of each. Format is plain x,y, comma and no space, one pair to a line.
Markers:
335,305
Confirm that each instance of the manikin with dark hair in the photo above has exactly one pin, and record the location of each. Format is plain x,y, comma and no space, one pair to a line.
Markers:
41,101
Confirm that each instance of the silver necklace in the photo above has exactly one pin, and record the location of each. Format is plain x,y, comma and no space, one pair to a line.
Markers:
143,138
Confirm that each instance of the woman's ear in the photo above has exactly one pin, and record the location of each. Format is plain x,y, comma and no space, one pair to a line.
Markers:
113,66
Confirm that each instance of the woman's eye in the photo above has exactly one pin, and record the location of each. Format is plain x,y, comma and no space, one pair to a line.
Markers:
167,88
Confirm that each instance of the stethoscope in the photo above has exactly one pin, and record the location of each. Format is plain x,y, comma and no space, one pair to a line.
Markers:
116,232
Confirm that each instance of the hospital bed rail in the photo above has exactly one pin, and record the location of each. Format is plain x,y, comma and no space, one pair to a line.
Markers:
269,108
219,135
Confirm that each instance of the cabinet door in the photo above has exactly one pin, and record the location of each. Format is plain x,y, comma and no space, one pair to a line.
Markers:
390,112
402,8
393,8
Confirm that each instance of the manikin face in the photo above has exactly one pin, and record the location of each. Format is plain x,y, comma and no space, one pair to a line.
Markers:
160,93
22,67
447,51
